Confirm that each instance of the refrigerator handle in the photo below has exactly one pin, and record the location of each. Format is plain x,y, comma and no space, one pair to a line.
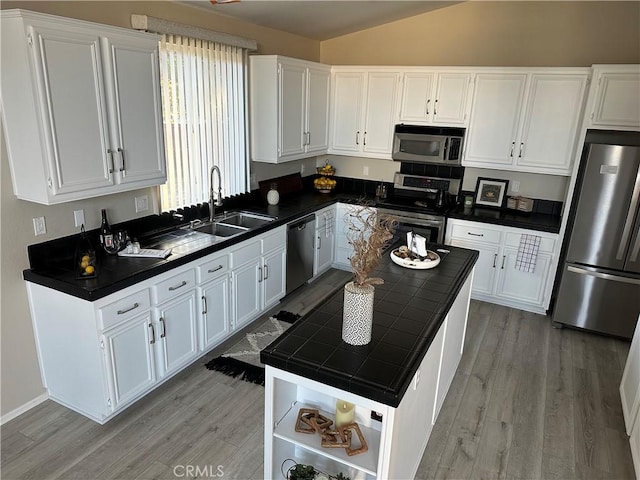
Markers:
628,224
633,256
604,276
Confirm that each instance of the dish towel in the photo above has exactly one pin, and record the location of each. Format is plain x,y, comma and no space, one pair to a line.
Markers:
527,256
328,224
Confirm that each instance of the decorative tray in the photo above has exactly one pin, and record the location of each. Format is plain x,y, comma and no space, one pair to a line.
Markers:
405,258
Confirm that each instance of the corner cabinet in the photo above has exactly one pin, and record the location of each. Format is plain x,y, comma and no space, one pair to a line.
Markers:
396,443
82,109
364,108
435,98
289,111
526,121
616,97
496,278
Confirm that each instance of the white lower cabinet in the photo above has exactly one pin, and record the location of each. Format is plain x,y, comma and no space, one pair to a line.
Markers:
396,444
129,350
216,321
258,275
324,240
176,335
497,280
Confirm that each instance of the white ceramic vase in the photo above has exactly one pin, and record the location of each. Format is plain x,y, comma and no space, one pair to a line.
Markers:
357,314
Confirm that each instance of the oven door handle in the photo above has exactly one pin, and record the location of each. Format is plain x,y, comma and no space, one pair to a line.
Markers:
420,223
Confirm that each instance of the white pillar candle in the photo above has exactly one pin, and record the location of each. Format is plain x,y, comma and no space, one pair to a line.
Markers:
345,413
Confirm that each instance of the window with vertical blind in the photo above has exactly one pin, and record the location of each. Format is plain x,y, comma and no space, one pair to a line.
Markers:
204,110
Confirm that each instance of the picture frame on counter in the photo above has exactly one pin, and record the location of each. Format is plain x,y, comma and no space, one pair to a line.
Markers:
491,192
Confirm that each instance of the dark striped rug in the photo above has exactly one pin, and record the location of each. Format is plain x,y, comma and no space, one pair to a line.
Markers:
242,360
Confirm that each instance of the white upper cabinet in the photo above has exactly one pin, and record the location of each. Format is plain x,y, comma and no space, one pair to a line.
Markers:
616,91
364,112
438,98
82,109
289,108
495,117
526,121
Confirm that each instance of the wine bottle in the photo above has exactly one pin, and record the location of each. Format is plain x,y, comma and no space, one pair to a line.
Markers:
106,235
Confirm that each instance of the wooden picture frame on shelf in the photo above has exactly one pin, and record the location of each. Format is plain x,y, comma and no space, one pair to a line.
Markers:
491,192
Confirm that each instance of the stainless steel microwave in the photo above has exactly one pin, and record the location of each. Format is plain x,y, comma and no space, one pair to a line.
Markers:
422,144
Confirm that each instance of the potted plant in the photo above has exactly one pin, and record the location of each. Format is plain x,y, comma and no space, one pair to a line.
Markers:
369,234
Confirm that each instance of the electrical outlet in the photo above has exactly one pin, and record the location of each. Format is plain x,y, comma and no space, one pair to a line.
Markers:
416,380
142,203
365,170
302,169
515,186
78,218
252,180
39,226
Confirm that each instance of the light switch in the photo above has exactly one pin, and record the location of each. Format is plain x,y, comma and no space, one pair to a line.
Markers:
39,227
78,217
365,170
142,203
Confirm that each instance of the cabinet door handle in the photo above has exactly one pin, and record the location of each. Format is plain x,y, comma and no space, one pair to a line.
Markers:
308,138
153,334
113,165
121,150
520,153
503,258
435,108
122,312
176,287
164,328
204,305
475,234
319,242
358,137
495,257
513,145
364,139
427,107
266,271
212,270
260,274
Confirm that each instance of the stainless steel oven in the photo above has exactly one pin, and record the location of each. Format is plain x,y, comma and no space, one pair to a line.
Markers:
428,225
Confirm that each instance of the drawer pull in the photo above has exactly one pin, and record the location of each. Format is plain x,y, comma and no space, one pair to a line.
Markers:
153,334
176,287
475,234
212,270
164,328
122,312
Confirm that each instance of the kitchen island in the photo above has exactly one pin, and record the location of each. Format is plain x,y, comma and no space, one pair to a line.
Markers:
397,382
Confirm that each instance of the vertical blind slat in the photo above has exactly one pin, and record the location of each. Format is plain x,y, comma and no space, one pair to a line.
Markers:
204,109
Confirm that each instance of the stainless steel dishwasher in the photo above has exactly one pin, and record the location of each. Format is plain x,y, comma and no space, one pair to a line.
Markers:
300,251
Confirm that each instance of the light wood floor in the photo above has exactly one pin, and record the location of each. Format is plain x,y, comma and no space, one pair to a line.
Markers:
528,401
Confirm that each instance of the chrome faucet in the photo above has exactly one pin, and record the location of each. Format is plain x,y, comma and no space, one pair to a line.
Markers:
214,200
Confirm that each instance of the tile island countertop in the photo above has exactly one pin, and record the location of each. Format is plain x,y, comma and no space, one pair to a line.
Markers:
409,309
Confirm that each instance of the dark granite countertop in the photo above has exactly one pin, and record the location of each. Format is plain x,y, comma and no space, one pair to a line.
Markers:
532,221
408,311
117,273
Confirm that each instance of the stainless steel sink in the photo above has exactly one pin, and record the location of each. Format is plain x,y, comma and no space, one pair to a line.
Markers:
244,219
221,230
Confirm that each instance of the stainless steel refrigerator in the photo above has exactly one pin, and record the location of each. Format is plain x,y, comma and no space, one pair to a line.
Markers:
600,281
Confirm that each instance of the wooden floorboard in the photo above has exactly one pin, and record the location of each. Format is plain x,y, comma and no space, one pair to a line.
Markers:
528,401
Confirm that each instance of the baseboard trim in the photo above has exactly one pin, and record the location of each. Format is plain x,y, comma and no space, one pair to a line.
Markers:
23,408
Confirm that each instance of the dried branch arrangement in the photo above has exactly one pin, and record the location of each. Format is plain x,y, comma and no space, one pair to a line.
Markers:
369,234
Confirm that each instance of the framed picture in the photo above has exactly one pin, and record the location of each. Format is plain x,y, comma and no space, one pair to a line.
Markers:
491,192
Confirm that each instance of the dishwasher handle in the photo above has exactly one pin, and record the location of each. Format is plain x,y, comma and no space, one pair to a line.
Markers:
301,223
